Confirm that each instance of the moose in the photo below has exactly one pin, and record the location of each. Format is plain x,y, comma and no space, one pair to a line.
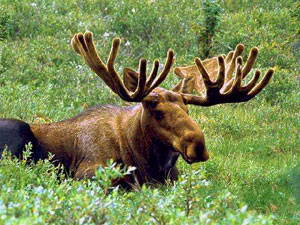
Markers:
152,134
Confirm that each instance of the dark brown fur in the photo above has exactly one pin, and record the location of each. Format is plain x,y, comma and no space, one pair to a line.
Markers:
142,136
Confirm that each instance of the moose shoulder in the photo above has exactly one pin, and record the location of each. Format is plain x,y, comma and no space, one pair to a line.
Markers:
154,133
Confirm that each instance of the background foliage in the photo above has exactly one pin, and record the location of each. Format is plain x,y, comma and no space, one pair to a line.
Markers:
253,176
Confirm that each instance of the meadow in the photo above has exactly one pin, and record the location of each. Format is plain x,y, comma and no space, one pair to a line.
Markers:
253,175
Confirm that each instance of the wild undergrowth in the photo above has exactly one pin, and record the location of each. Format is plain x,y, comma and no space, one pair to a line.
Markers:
253,175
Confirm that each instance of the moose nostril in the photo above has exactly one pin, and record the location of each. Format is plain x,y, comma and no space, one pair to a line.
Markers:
198,153
191,154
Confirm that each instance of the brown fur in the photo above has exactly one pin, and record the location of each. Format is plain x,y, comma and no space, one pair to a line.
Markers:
142,136
152,134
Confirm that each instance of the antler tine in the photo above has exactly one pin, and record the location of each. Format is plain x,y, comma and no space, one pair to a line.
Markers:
117,84
229,57
221,74
80,47
74,45
237,52
84,45
239,60
234,83
237,83
262,84
252,82
203,72
250,61
139,92
227,89
162,76
153,74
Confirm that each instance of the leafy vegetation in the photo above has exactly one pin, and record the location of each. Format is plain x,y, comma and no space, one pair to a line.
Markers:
253,176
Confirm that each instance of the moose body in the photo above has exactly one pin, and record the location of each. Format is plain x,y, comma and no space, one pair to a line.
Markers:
154,133
127,135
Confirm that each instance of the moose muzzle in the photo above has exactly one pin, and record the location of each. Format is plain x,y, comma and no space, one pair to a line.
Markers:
192,148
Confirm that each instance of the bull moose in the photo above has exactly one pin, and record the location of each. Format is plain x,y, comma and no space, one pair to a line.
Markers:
154,133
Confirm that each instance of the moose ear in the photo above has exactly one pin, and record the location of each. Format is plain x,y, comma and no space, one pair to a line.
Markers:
186,85
130,78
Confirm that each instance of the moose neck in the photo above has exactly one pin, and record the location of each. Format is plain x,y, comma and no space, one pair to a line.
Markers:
153,158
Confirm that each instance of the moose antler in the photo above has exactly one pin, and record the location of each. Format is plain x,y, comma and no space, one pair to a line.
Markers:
214,79
83,44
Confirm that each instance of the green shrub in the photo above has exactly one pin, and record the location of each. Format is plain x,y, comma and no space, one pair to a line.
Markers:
252,173
206,27
6,25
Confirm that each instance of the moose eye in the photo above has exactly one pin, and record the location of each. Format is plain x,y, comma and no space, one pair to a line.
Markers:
153,104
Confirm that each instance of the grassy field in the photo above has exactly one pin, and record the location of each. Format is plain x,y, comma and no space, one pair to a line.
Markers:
253,175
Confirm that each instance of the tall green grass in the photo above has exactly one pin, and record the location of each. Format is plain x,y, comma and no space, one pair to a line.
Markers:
253,175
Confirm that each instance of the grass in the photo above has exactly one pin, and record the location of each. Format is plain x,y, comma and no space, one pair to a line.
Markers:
253,175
